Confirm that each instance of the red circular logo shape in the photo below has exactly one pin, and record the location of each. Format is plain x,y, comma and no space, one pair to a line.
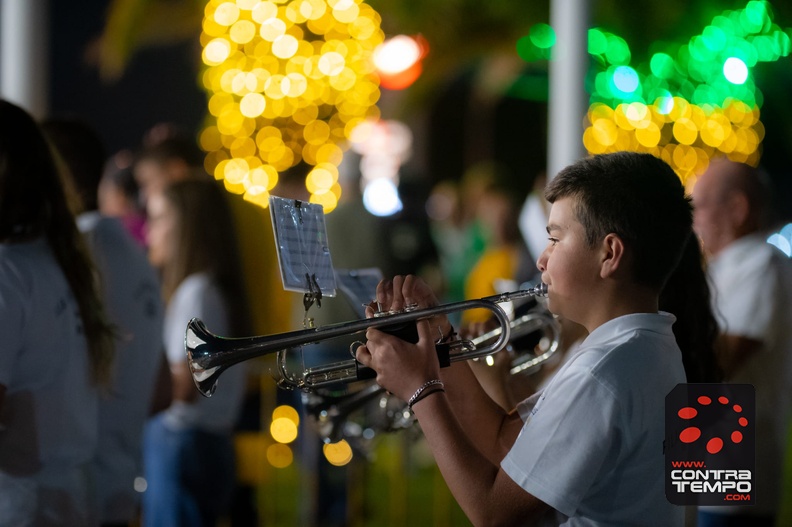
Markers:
692,434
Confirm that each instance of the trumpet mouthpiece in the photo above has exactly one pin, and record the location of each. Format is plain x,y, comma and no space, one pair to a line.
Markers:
540,289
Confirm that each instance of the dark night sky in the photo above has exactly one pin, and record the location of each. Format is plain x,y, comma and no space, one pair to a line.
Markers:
159,84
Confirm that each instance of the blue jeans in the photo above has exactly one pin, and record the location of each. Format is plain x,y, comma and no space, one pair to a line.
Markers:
190,475
709,519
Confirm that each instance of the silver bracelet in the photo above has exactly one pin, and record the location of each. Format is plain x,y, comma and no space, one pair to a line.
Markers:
419,391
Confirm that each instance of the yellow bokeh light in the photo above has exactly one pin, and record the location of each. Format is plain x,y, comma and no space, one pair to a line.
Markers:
331,63
700,133
680,108
362,28
252,105
685,157
592,145
337,454
286,412
226,13
210,139
260,199
685,131
713,133
316,132
281,158
234,188
245,147
272,29
605,132
216,51
230,121
242,31
344,81
620,118
312,9
236,170
319,180
268,144
283,430
347,12
294,85
264,11
212,28
329,153
284,46
288,81
648,136
262,179
279,455
638,114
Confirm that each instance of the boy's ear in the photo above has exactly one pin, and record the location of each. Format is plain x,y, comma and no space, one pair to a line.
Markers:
613,257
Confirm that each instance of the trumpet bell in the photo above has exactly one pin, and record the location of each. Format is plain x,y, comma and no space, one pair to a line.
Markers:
202,360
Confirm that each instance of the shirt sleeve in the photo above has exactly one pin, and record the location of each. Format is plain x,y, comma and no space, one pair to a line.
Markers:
11,327
568,439
749,311
195,297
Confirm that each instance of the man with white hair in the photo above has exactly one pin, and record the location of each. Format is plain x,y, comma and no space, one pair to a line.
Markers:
752,290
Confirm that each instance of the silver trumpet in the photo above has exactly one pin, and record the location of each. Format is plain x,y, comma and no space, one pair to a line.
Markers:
208,355
525,361
339,416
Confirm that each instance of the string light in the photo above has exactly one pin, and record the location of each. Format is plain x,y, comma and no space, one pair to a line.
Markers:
288,81
690,102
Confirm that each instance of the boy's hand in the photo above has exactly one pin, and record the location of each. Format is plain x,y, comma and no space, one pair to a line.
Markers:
410,291
401,366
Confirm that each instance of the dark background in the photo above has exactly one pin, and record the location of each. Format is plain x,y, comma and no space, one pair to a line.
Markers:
161,84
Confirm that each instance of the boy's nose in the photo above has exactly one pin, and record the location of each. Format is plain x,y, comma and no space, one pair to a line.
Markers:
540,263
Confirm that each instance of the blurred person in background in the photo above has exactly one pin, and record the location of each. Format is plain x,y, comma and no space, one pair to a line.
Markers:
131,293
172,157
505,259
188,448
57,349
752,292
119,197
455,230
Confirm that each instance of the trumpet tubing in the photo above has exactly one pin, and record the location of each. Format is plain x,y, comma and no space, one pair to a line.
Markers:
208,355
524,325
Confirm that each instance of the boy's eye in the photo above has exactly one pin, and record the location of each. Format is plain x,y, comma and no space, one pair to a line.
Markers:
553,241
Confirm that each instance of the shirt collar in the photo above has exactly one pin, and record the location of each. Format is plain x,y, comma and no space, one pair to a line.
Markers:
659,322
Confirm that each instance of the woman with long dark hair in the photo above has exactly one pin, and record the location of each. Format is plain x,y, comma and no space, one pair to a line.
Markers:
57,344
188,448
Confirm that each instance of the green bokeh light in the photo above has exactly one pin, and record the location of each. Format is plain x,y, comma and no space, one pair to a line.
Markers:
542,36
618,52
662,66
597,42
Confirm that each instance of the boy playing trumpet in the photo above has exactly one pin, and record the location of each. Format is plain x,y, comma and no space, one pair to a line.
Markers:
588,449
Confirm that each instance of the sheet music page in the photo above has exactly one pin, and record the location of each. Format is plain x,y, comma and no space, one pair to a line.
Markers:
359,286
301,242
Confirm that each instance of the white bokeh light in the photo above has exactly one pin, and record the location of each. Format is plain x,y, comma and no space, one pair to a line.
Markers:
381,198
735,70
397,54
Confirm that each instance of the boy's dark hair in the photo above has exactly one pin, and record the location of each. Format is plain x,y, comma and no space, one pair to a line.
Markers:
636,196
